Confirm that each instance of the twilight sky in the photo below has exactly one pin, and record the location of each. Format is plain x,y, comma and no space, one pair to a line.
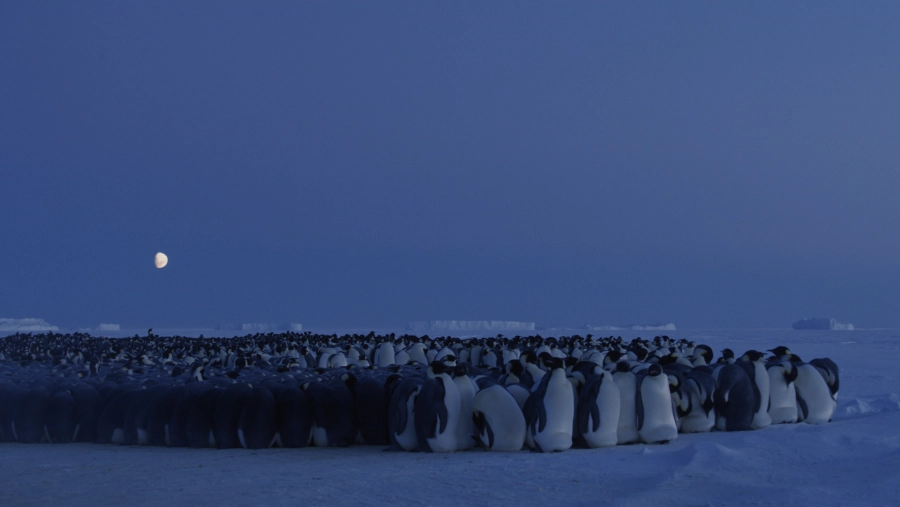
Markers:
366,164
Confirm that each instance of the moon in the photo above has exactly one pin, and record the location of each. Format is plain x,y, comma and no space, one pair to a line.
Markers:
160,260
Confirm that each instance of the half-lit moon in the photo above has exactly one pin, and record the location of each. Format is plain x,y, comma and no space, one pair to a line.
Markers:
160,260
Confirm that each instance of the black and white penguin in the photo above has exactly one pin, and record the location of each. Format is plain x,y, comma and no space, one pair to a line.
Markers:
782,393
597,415
295,418
200,420
370,394
550,410
111,425
29,417
437,411
333,424
498,419
61,420
401,413
258,422
465,430
655,416
760,378
701,388
627,431
227,414
814,401
829,371
735,399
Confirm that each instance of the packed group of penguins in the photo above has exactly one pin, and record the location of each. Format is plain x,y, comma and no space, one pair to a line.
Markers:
407,392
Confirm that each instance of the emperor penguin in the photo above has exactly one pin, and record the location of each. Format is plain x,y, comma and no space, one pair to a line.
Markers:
814,401
258,423
550,410
371,398
782,393
829,371
465,430
760,378
384,354
627,432
498,419
735,399
401,413
61,421
597,415
701,388
655,416
437,411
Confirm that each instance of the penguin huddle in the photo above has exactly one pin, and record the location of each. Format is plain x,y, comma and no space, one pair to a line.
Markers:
407,393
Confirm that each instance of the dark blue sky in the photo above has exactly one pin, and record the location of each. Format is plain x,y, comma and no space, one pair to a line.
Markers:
343,164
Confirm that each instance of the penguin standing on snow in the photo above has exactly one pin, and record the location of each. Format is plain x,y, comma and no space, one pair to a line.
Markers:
735,399
465,430
498,419
829,371
401,414
627,432
550,410
760,378
782,393
814,401
597,416
655,416
437,411
701,388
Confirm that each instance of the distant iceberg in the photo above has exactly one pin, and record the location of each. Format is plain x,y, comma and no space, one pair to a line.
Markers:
470,325
25,326
634,327
262,327
821,324
109,327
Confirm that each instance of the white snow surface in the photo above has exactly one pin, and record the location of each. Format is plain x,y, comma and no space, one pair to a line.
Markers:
854,460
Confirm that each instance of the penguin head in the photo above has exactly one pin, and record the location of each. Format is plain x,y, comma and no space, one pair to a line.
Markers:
752,356
654,370
553,363
727,356
437,368
623,366
780,351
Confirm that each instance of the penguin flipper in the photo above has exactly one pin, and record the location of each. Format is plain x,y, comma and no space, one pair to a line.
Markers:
440,407
542,416
581,418
490,434
595,415
639,404
801,404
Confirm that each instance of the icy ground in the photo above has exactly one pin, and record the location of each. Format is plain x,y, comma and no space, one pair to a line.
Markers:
855,460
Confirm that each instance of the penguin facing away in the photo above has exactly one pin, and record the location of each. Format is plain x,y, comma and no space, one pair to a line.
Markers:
499,421
735,399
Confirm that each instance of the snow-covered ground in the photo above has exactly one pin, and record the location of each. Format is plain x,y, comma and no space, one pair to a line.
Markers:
855,460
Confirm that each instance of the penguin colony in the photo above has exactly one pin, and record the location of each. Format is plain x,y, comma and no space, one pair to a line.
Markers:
408,393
